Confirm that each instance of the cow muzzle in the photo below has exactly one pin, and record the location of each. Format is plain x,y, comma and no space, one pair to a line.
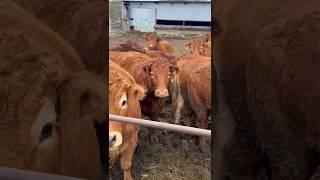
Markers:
115,140
161,93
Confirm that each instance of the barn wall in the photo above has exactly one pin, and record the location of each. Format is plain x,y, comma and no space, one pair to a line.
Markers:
178,11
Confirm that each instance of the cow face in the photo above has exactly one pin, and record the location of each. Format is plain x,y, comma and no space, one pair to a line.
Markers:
28,125
43,125
205,49
194,47
160,72
124,100
151,40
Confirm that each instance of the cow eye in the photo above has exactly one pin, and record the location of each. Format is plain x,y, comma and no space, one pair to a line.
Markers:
46,132
123,101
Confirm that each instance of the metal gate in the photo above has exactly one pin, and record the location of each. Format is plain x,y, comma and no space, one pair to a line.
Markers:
143,19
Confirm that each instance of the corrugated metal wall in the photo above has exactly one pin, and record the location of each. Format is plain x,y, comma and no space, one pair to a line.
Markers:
178,11
172,11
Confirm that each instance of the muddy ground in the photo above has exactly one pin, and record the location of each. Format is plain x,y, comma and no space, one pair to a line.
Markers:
167,155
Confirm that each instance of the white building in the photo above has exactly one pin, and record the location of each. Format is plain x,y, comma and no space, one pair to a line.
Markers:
149,15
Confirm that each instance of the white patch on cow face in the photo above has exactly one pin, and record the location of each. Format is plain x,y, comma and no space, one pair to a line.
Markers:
43,130
123,102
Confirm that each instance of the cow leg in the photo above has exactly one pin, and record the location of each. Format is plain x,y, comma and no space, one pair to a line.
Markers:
239,149
202,122
126,157
178,108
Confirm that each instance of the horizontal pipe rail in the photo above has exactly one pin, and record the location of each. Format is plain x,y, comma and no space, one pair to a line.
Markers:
161,125
18,174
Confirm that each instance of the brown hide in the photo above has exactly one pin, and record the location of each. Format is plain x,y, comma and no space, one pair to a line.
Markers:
154,42
124,96
134,49
152,73
128,46
47,108
81,22
200,46
267,58
192,91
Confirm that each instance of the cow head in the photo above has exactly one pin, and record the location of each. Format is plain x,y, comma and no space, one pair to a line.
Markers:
151,40
124,97
194,47
160,72
47,117
205,49
29,122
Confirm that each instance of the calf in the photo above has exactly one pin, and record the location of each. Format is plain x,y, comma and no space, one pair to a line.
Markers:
154,42
124,97
192,91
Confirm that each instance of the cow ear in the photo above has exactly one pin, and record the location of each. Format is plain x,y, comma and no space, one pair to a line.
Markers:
83,104
147,68
174,69
85,93
139,92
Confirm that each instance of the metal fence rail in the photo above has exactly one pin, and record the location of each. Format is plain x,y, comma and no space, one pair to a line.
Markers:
161,125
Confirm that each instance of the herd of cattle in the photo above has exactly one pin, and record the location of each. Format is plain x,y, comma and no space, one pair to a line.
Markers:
140,79
52,86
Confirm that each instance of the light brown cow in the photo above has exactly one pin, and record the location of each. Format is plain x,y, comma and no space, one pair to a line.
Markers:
49,102
124,97
81,22
152,73
200,46
192,91
134,49
154,42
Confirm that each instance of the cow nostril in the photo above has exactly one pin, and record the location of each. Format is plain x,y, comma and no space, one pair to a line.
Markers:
112,140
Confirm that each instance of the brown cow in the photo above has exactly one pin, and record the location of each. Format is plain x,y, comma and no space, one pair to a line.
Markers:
130,46
267,58
199,46
154,42
192,91
49,102
124,97
154,74
81,22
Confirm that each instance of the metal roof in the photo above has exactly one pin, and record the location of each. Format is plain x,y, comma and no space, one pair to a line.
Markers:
167,1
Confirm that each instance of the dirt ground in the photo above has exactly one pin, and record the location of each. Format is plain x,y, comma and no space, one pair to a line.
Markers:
166,155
